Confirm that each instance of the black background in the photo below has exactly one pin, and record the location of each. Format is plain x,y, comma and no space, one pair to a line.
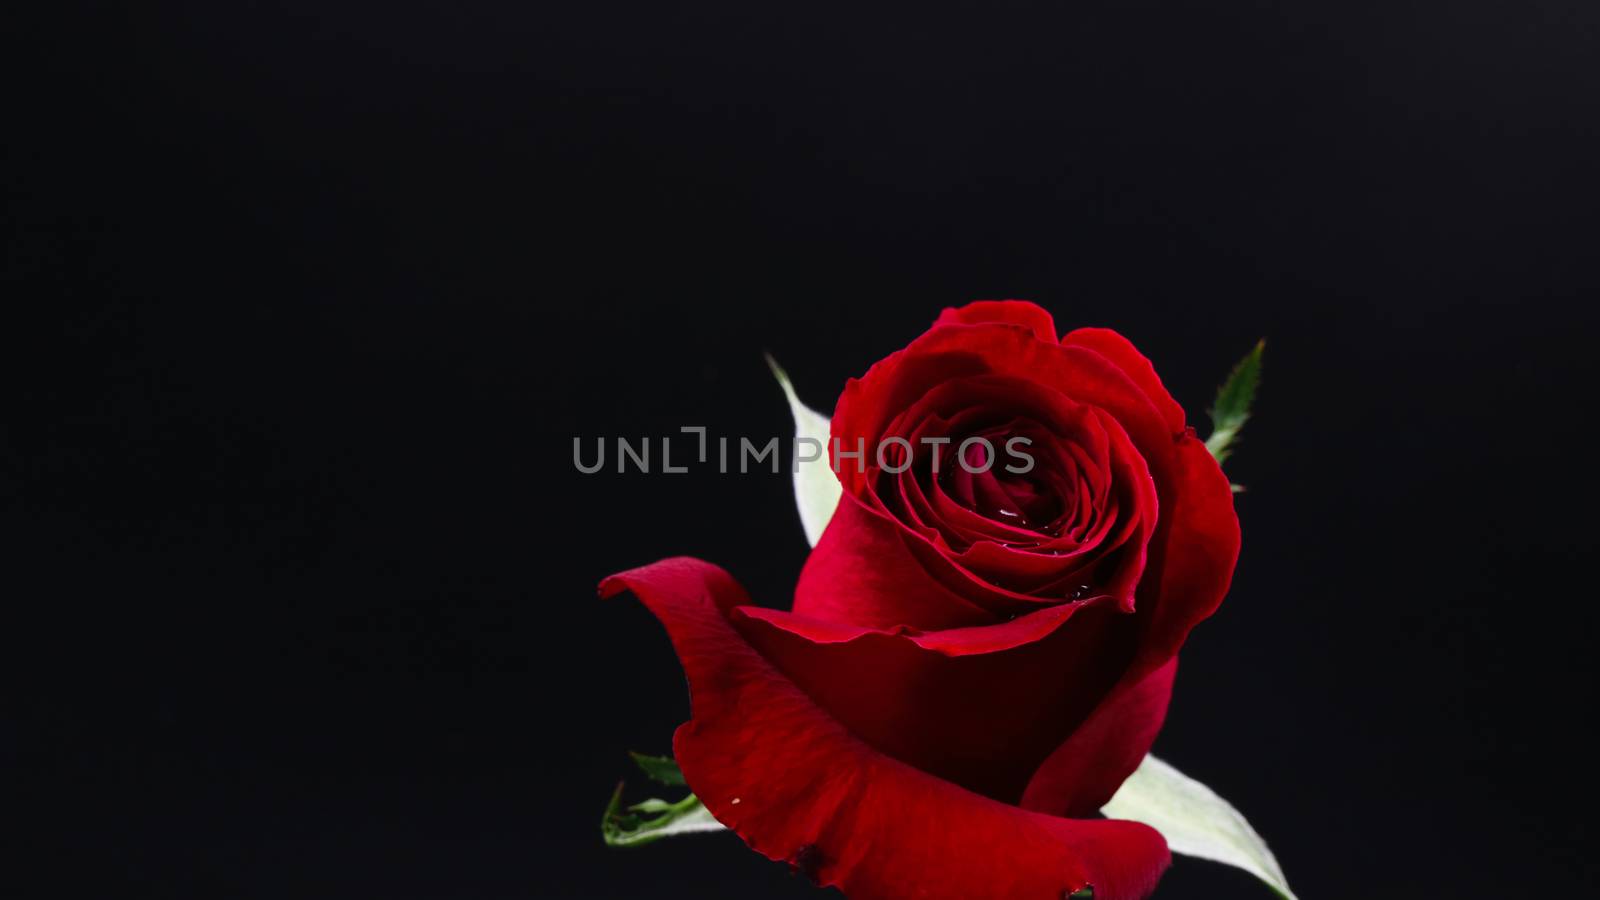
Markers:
306,302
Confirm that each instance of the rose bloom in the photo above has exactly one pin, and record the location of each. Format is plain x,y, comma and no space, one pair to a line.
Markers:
974,661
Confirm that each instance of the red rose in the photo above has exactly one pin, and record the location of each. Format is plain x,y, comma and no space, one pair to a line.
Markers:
975,660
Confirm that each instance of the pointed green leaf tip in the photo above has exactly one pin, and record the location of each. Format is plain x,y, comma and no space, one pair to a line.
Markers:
653,819
1232,407
662,769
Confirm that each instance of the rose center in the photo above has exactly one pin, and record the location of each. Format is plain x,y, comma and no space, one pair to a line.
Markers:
988,488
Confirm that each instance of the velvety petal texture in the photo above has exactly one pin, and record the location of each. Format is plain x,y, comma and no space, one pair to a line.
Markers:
982,645
798,786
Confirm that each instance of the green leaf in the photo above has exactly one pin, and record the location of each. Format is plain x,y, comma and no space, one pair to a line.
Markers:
1232,407
1195,821
651,820
661,769
816,485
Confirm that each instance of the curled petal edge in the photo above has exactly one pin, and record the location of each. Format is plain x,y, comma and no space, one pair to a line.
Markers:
798,787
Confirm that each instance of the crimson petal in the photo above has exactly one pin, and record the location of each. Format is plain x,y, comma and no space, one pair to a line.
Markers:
1029,315
1138,367
1083,773
1196,551
797,786
985,721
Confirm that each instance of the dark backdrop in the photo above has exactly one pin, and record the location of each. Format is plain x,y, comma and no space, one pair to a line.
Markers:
306,302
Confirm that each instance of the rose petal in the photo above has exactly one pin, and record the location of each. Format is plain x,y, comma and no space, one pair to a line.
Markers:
1194,551
1191,566
1119,350
862,573
1083,773
985,721
949,641
1031,316
796,785
949,352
